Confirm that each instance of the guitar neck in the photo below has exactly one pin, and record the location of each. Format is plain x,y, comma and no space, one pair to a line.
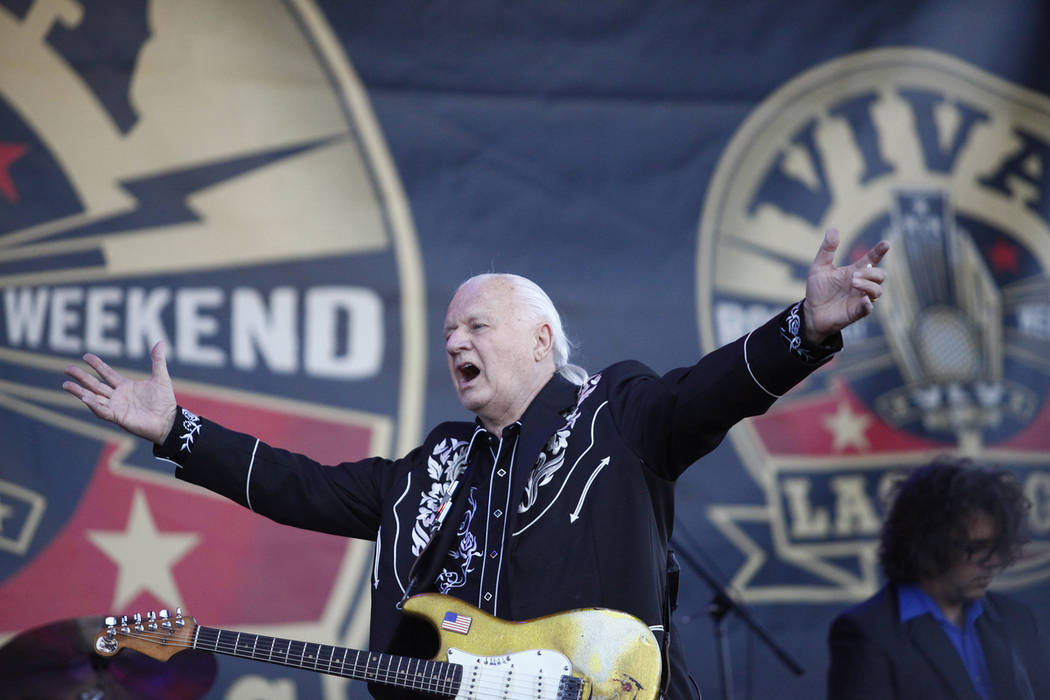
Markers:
437,677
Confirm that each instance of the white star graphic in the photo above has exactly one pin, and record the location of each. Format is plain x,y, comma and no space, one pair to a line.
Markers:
144,556
848,428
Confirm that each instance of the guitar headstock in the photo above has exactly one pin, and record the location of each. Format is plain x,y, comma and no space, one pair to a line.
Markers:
159,635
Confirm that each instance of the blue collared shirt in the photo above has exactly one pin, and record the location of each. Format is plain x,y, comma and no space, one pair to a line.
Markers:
915,602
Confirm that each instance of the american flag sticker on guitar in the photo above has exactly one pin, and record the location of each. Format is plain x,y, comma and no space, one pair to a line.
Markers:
454,622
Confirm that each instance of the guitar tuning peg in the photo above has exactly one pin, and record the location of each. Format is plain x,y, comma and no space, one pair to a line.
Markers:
165,622
124,624
138,623
163,614
111,626
151,618
179,622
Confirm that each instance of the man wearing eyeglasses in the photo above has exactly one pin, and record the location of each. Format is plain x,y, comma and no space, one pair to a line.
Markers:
934,631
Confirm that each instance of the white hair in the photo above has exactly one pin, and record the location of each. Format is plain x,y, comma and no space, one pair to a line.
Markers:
540,307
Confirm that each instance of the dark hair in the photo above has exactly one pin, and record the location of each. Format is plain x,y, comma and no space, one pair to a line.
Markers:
926,527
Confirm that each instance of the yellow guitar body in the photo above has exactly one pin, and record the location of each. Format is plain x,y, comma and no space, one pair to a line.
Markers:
615,654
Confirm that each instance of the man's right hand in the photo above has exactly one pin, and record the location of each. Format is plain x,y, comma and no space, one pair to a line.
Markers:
145,407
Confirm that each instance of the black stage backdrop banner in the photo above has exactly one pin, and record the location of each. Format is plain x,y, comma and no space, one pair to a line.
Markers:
289,192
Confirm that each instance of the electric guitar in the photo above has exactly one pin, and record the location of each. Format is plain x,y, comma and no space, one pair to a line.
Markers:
586,654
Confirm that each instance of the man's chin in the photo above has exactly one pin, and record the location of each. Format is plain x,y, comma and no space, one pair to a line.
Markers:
470,398
977,590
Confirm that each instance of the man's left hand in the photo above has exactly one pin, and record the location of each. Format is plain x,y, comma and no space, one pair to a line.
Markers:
838,296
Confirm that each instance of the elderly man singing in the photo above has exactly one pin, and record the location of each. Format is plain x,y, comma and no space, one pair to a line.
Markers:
559,496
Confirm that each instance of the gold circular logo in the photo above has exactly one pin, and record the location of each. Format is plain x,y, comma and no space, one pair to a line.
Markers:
952,165
217,181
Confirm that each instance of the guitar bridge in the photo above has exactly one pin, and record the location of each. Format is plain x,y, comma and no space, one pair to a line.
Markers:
570,688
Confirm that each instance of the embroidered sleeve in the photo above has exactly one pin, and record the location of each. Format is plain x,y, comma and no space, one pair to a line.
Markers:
792,331
180,440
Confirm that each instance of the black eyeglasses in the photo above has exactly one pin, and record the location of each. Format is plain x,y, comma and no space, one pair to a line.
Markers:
979,551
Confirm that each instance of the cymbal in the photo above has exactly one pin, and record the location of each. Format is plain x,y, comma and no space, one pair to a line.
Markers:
58,661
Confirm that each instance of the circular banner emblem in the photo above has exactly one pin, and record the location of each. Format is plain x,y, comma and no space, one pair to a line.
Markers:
952,166
209,174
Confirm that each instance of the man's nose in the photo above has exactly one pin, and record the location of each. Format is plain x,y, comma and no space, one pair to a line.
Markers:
992,561
456,341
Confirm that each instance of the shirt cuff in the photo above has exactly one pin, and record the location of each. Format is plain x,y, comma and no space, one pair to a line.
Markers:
178,445
792,330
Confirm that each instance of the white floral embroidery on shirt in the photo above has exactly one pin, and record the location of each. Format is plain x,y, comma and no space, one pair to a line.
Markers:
466,552
552,458
192,425
445,464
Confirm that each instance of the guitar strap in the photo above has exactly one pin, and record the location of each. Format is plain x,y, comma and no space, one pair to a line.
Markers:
669,606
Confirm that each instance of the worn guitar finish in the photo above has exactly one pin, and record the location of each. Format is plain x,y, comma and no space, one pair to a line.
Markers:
585,654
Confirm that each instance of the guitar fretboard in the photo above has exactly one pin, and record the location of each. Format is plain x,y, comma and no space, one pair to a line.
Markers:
436,677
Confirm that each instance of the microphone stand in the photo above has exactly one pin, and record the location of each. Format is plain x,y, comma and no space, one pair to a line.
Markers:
720,606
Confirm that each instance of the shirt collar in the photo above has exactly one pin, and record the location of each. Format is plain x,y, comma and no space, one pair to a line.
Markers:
913,601
557,396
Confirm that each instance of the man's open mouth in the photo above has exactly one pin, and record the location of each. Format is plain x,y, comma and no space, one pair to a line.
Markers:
469,371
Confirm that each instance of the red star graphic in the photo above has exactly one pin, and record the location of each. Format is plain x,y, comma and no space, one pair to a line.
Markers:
1004,256
9,153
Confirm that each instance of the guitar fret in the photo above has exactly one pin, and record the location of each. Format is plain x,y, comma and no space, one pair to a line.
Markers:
219,643
445,669
283,649
440,677
320,656
373,667
244,649
457,679
418,677
444,676
258,647
272,642
410,673
429,677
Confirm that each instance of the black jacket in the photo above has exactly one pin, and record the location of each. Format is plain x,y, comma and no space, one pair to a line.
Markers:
595,466
876,656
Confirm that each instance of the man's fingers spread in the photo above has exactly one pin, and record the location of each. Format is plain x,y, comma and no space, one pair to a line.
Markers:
105,371
828,246
875,254
89,381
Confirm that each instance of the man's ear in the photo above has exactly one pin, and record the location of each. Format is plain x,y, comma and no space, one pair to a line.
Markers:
544,341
